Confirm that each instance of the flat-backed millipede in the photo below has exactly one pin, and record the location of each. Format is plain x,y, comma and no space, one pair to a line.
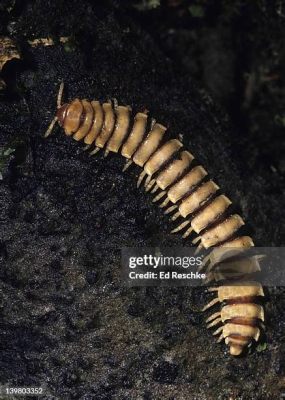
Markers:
180,186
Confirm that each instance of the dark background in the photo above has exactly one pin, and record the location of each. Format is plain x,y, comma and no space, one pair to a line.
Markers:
212,71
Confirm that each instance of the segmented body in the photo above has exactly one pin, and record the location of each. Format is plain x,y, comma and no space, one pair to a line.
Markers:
181,187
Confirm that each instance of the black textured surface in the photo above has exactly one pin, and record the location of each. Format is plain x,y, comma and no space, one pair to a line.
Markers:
66,321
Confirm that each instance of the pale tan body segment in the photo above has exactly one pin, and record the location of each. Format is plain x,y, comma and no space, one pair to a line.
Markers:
108,126
210,213
197,199
240,318
136,136
84,128
169,174
72,117
161,156
97,123
221,232
121,129
229,249
234,269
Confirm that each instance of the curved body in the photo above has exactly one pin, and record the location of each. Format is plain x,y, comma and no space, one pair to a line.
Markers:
182,188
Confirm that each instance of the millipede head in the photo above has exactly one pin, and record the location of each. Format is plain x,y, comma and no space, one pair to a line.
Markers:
60,114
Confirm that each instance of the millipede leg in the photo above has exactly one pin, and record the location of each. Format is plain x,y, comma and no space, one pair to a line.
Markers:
213,289
141,177
204,263
116,103
199,248
220,338
106,152
50,128
155,189
127,165
170,209
211,263
180,227
158,197
213,316
196,240
152,123
87,147
147,181
211,304
175,216
200,268
188,232
164,204
219,330
213,323
150,185
93,152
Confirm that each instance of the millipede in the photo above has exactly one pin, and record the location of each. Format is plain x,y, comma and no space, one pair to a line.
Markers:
183,189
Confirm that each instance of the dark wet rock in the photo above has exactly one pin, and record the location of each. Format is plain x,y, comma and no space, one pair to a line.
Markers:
66,319
165,372
136,309
279,364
